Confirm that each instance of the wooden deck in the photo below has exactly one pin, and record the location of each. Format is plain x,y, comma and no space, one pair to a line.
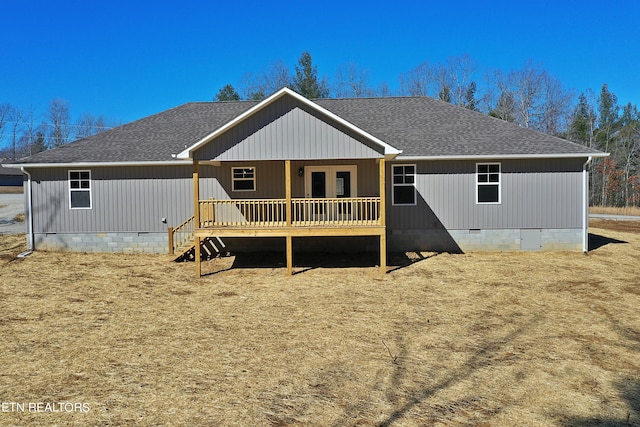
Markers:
359,216
289,217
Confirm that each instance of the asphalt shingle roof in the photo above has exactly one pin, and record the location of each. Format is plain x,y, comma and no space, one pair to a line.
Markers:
419,126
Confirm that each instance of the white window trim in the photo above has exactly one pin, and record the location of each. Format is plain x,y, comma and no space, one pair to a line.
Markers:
499,183
393,185
234,179
90,189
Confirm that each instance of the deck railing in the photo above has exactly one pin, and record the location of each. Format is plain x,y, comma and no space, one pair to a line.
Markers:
181,236
335,211
307,212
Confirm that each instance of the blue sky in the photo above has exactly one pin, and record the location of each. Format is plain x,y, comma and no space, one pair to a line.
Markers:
126,60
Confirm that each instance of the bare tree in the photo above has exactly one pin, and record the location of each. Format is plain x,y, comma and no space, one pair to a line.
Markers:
252,87
5,112
417,81
58,116
555,106
16,119
277,76
384,90
352,81
88,125
451,82
258,86
458,77
539,100
32,136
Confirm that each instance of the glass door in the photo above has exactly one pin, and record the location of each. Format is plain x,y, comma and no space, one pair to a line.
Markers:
331,182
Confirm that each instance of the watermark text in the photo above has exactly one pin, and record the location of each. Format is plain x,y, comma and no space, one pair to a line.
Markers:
45,407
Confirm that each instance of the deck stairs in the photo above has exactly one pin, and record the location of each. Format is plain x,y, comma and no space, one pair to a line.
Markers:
210,247
182,243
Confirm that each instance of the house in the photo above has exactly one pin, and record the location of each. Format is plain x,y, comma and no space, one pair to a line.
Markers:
9,177
397,174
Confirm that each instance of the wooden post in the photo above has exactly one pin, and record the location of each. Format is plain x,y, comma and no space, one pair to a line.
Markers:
383,218
196,195
287,185
289,255
196,214
197,255
170,231
383,202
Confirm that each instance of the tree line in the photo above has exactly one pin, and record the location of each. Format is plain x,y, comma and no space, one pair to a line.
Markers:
529,96
26,132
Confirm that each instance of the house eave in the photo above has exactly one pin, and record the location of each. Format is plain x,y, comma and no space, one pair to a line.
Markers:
502,156
188,152
97,164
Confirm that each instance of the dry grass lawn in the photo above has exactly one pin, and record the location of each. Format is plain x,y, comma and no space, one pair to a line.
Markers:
496,339
608,210
11,189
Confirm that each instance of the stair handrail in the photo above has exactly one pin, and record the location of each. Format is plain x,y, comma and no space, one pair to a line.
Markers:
183,233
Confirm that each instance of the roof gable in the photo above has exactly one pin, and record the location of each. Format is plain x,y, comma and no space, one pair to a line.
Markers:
342,136
288,129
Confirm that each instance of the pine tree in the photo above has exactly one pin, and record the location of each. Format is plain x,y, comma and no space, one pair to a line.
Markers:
583,122
470,97
305,82
227,93
445,94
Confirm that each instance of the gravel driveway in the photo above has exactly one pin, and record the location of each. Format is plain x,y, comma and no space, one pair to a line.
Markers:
10,206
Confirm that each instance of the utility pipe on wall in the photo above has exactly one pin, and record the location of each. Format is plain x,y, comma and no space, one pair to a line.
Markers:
30,242
585,205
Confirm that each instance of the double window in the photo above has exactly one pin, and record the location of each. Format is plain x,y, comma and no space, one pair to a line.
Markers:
488,183
80,189
404,184
243,178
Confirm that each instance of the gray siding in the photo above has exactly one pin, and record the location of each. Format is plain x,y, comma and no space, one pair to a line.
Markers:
535,194
125,199
135,199
290,130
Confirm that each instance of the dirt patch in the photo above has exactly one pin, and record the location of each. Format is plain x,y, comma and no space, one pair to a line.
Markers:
471,339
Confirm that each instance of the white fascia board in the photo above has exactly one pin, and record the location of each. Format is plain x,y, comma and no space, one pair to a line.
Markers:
96,164
186,154
503,156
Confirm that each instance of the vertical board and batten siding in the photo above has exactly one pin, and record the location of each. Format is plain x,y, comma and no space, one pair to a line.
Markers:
537,193
288,130
124,199
135,199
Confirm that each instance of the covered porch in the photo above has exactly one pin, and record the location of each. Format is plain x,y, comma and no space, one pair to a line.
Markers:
344,214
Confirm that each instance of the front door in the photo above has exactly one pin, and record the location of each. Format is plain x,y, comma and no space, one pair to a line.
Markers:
331,182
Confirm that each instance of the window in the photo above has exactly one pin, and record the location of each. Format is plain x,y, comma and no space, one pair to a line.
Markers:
244,179
488,183
404,189
80,189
